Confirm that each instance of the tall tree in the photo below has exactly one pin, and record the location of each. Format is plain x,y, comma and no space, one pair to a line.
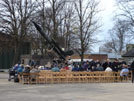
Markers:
15,16
117,40
126,13
87,23
55,9
56,18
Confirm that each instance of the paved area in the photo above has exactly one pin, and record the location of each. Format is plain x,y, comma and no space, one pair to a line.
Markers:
10,91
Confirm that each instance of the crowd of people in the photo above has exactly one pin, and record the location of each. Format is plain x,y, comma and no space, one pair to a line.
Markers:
107,66
88,66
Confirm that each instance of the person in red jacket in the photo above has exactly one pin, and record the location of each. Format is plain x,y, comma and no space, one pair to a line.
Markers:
66,66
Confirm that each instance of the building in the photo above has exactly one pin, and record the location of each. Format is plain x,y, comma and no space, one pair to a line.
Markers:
6,51
129,55
100,57
113,56
129,47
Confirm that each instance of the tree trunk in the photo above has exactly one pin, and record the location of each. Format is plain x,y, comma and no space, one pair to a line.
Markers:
17,53
82,57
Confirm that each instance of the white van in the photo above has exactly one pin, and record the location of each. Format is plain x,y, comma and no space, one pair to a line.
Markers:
78,61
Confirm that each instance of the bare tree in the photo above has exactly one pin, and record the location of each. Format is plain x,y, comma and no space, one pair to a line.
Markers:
53,11
107,47
15,16
116,42
87,23
66,27
57,20
38,42
126,13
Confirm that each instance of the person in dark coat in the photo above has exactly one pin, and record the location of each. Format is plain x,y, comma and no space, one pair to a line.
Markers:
121,63
132,68
97,62
92,64
86,65
81,68
114,65
106,64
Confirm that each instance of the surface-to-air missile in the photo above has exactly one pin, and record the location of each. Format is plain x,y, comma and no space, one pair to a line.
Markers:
62,54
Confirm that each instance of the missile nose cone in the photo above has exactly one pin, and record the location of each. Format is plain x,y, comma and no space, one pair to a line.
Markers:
37,26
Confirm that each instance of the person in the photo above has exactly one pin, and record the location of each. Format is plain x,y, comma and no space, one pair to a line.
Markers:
86,66
41,67
97,62
99,67
132,68
75,68
93,68
20,69
122,61
106,64
69,60
26,69
61,65
70,66
81,68
32,63
48,66
124,70
92,65
114,65
34,70
55,68
120,64
16,67
66,67
13,72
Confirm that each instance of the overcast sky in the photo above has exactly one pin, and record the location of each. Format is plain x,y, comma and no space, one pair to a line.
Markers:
108,7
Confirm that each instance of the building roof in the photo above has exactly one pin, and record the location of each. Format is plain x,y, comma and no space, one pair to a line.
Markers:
114,56
110,55
96,53
129,53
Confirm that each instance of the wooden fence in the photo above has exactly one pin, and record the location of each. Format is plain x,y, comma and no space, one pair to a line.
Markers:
48,77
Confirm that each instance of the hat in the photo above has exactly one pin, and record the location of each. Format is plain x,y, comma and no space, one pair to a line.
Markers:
41,67
27,66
